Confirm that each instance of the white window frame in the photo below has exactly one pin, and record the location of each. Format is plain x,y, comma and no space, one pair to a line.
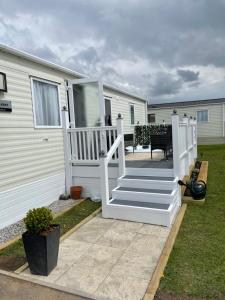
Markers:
132,104
199,110
33,101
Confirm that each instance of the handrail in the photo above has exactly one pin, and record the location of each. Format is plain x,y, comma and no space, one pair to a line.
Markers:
91,128
114,147
105,157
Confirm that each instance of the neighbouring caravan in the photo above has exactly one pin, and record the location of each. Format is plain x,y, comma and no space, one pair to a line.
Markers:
210,115
31,134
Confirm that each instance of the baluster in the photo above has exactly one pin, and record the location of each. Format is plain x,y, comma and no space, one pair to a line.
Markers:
76,148
92,145
88,146
80,149
97,147
84,144
110,139
71,136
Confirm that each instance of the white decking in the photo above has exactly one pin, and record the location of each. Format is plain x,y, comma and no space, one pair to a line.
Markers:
146,190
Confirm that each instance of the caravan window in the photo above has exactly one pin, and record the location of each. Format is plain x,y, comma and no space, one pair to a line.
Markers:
151,118
202,116
46,104
132,120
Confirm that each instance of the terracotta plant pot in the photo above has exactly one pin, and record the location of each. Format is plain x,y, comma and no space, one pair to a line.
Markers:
75,192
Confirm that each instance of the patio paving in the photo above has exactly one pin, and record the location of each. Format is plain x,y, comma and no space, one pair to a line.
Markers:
143,160
108,259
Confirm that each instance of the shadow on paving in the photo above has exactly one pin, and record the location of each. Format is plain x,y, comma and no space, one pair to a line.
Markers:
12,288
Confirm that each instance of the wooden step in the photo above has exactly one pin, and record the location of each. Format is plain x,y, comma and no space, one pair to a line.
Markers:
149,172
140,204
151,182
146,195
138,211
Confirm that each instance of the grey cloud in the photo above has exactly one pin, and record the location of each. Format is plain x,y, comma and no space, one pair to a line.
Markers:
188,75
45,52
171,36
165,84
176,33
89,55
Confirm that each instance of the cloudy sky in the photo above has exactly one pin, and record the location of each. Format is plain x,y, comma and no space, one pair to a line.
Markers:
163,50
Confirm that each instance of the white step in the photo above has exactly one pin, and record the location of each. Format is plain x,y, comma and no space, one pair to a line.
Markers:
150,213
144,195
148,182
149,172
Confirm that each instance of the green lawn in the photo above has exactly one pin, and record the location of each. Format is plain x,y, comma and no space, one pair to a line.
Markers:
67,221
196,266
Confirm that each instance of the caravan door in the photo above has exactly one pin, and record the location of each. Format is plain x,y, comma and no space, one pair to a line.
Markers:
86,103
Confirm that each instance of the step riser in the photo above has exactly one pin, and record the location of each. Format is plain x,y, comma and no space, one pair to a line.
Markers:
149,216
146,197
143,215
147,184
149,172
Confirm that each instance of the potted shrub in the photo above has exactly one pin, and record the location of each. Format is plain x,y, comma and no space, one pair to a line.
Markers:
41,241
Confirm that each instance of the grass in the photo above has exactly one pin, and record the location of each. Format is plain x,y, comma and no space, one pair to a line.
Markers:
196,266
67,221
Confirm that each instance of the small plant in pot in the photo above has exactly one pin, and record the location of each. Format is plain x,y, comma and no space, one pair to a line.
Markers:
41,241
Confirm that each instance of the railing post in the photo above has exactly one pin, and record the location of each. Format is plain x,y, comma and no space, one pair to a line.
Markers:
67,151
175,137
119,123
188,155
104,180
195,138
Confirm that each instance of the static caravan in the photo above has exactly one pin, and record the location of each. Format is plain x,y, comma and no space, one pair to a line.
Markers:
33,93
210,115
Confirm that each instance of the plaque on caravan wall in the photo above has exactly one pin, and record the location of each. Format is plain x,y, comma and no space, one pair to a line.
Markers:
5,106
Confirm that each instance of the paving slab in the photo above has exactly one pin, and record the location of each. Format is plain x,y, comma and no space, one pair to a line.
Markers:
108,259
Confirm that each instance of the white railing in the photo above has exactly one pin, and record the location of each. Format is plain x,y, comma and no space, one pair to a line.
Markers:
100,145
87,143
93,145
184,144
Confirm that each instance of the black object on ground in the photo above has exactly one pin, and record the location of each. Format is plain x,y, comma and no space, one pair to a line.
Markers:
42,251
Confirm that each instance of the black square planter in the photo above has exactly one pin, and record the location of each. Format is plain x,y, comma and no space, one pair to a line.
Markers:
42,251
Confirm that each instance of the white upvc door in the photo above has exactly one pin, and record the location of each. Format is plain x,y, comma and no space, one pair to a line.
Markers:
86,103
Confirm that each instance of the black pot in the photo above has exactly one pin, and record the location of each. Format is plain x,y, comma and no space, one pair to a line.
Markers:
42,251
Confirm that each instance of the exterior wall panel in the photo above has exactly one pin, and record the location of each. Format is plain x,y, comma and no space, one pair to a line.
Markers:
212,128
27,153
120,104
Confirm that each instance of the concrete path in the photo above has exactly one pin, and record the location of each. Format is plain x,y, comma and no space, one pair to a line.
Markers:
108,259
